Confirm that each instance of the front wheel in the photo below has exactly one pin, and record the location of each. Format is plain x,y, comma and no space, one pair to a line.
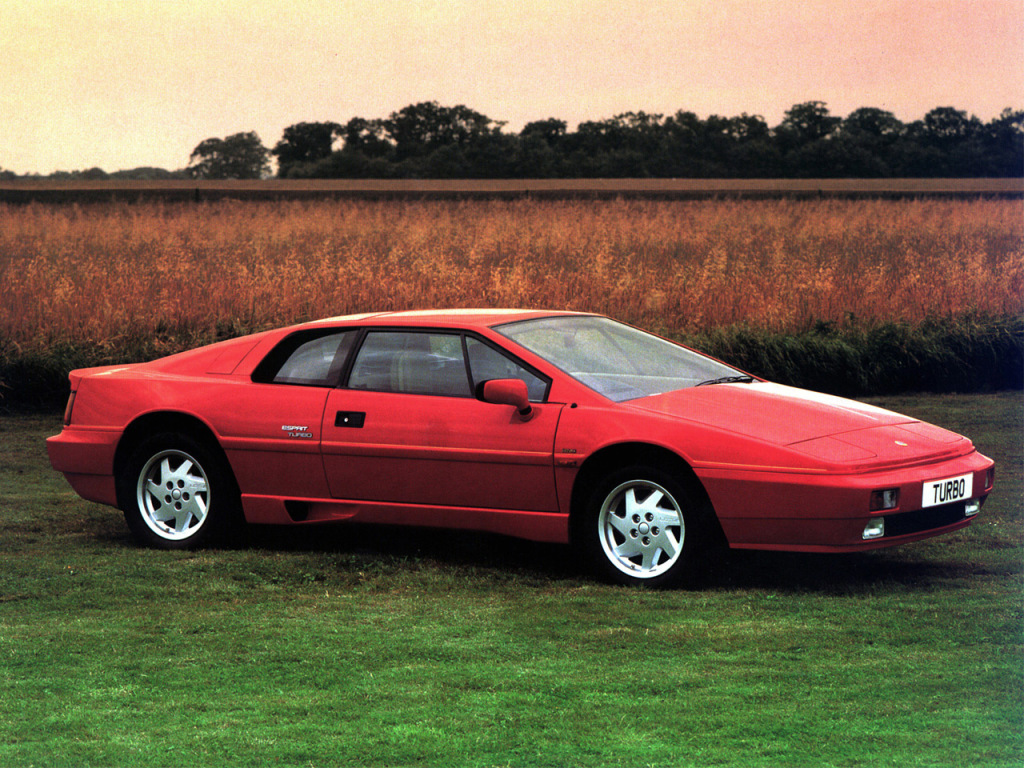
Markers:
643,527
176,493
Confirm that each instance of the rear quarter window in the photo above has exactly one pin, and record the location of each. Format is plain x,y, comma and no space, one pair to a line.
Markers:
307,358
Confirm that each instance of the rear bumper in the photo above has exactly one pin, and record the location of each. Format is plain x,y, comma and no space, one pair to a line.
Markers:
86,458
803,512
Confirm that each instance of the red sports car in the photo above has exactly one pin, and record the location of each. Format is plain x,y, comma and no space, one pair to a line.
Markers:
552,426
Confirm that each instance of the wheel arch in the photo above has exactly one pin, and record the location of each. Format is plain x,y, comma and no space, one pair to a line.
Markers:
164,421
612,457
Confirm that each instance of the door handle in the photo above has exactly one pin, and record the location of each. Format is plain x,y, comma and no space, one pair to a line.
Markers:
353,419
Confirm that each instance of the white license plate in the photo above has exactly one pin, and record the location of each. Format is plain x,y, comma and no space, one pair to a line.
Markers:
949,490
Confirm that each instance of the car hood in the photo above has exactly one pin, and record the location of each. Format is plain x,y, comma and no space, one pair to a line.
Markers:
829,428
770,412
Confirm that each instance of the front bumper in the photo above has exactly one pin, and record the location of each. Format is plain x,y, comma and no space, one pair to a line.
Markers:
828,512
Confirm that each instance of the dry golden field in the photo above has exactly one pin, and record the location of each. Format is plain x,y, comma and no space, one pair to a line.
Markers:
107,273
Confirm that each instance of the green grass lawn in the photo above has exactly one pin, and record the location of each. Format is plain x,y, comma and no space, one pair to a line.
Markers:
367,646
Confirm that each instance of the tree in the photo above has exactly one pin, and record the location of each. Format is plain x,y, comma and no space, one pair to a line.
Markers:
745,146
147,173
638,131
551,130
866,144
628,144
239,156
947,127
420,129
305,143
1003,144
537,151
807,122
492,156
683,149
346,164
366,136
948,142
801,136
873,122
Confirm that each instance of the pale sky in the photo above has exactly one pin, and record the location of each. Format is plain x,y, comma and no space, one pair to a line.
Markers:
118,84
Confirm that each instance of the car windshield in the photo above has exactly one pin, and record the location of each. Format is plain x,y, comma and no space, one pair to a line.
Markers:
616,360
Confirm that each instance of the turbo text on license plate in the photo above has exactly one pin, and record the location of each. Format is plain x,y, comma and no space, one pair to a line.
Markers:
949,490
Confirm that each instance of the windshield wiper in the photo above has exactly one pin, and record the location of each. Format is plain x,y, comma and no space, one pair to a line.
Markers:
728,380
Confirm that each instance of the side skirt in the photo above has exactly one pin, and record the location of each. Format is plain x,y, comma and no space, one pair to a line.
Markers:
550,527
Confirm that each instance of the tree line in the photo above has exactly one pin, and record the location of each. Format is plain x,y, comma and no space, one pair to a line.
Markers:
432,141
428,140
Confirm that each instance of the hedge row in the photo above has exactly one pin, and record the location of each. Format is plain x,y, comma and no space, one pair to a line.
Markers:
964,355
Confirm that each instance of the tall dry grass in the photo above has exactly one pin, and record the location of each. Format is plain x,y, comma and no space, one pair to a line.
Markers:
105,274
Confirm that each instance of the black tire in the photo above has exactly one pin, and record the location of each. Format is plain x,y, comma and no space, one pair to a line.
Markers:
177,493
644,527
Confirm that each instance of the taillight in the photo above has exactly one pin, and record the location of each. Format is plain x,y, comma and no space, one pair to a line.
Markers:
70,406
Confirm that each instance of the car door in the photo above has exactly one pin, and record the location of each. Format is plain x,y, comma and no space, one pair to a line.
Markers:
407,429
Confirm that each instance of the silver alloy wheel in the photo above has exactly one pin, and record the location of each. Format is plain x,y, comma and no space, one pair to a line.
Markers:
641,528
173,495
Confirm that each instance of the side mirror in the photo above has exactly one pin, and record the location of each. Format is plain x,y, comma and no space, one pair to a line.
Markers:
507,392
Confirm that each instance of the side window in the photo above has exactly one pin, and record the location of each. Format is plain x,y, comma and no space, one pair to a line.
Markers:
412,362
307,358
485,363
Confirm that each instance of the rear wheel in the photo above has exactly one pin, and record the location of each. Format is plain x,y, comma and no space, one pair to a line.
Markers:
177,494
644,527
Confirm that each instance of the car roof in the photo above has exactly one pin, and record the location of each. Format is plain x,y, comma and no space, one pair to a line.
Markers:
441,318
